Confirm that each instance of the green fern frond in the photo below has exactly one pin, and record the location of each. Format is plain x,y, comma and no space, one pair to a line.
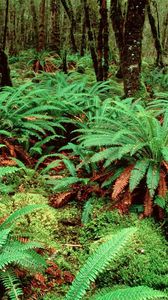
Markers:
4,171
87,211
138,173
97,262
64,183
11,284
21,212
165,153
131,293
153,176
4,236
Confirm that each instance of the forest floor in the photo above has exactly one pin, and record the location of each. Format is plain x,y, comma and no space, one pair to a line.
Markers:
75,223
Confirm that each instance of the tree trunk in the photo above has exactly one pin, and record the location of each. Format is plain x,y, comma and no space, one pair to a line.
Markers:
91,38
159,60
70,14
55,23
118,20
41,36
6,24
103,48
165,34
131,60
35,24
83,41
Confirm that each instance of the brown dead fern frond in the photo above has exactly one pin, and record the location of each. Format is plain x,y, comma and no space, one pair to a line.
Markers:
121,182
148,204
165,165
162,187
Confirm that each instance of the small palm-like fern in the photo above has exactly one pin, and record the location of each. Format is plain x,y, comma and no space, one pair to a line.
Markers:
14,252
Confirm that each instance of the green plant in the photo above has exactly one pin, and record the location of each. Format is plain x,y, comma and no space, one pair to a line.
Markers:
13,253
133,138
98,261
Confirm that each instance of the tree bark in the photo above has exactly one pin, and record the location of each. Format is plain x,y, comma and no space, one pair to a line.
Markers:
55,30
91,38
155,34
70,14
35,24
41,36
118,20
131,60
6,24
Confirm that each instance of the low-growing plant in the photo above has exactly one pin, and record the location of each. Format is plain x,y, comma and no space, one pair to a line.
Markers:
133,143
14,252
98,261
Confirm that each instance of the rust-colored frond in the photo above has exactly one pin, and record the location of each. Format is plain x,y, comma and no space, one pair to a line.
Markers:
162,188
7,162
165,165
148,204
124,204
121,182
60,199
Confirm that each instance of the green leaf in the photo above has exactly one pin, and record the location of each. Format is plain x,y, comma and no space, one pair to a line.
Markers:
97,263
160,201
153,176
138,173
131,293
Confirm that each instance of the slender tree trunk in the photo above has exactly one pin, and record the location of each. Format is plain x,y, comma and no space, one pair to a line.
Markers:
70,14
155,34
35,24
12,35
103,42
91,38
83,41
165,34
55,23
118,21
6,24
41,36
131,61
2,18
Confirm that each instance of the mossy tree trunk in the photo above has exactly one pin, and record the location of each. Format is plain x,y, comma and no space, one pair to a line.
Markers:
35,24
55,26
41,34
155,34
131,60
118,20
69,10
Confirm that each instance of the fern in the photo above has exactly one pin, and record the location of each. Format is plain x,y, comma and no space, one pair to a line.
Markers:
98,262
131,293
21,212
14,252
4,171
138,173
11,284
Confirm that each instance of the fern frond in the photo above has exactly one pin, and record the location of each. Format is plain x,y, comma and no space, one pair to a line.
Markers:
4,236
138,173
4,171
97,262
131,293
153,175
148,204
122,182
11,284
162,188
21,212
